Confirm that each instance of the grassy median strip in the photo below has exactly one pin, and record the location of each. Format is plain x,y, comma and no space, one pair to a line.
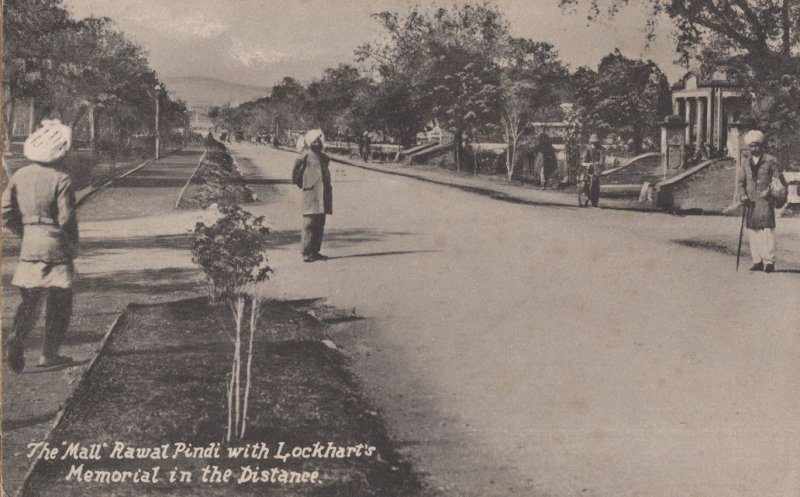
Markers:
150,416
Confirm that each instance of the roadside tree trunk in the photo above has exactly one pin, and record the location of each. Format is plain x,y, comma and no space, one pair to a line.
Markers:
457,139
637,144
8,125
513,133
474,153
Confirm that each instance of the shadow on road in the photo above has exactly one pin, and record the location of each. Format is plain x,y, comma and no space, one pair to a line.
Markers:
146,282
143,181
39,370
95,246
335,238
80,337
381,254
267,181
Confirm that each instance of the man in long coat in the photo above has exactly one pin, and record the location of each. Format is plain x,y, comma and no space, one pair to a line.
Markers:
311,173
759,185
545,159
39,206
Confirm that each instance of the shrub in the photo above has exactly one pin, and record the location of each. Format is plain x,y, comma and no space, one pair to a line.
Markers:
232,251
232,254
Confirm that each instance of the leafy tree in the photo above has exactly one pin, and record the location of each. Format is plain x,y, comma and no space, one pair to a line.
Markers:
450,58
30,28
231,253
394,101
70,66
757,41
531,78
760,33
625,96
284,108
329,99
391,105
286,102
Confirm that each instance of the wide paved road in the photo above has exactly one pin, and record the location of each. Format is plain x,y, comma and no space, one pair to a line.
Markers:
520,350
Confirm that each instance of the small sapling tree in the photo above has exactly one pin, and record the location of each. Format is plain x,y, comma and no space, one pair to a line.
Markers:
232,254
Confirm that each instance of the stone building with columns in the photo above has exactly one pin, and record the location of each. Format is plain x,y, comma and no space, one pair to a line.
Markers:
708,107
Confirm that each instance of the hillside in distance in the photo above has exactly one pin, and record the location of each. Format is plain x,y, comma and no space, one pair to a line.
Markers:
208,92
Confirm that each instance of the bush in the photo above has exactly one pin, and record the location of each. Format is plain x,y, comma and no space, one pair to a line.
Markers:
232,254
232,251
217,181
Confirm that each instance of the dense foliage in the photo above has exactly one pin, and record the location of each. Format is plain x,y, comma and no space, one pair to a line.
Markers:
232,251
756,41
69,66
624,96
460,68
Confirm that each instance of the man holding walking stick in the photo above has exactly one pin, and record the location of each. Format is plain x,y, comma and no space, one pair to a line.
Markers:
760,187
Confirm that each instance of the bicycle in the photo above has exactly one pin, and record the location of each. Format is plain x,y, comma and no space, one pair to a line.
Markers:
588,187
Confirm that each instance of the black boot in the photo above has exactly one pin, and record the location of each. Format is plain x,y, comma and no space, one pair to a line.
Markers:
758,266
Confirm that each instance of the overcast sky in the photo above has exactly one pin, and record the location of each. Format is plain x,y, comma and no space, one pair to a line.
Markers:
257,42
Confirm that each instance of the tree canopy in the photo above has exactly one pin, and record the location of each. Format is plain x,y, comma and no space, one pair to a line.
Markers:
624,96
67,64
756,41
460,67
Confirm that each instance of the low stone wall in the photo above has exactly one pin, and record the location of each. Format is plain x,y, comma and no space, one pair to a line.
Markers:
431,153
708,187
640,169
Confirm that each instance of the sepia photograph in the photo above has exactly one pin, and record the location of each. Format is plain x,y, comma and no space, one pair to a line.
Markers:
400,248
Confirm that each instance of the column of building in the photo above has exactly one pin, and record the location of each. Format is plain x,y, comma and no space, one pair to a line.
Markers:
688,118
700,122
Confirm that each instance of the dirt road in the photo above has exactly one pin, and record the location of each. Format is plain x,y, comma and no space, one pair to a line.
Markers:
524,350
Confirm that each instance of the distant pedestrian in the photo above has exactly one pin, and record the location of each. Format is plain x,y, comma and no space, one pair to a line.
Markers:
39,206
367,148
688,156
312,174
760,187
594,159
545,158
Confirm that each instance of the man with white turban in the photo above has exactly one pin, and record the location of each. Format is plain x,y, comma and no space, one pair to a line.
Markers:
312,174
759,186
39,206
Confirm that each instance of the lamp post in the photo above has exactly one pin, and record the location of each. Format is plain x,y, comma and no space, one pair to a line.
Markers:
158,144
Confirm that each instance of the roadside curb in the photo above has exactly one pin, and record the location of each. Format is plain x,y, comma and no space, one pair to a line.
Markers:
189,182
478,190
108,183
71,398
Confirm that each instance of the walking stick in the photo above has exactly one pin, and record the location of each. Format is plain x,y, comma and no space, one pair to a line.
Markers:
745,208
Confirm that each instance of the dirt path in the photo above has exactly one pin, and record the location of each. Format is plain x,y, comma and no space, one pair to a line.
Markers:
133,248
537,350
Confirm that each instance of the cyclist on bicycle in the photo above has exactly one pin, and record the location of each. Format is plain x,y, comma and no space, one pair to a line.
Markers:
594,159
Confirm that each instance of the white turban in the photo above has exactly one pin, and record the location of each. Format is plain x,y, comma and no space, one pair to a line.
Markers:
312,135
754,136
48,143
